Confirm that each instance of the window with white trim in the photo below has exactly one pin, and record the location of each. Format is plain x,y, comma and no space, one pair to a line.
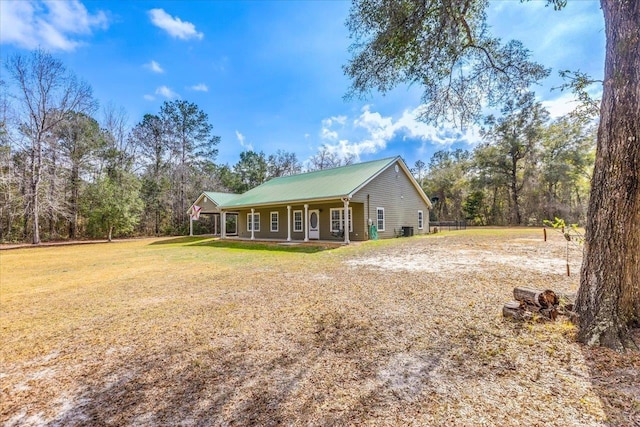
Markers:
255,223
337,220
380,218
297,220
274,221
420,220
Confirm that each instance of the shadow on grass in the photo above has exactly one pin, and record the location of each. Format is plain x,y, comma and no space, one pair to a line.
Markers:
181,240
267,246
231,385
209,241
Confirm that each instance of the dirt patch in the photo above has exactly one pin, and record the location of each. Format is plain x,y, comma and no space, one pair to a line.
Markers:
446,261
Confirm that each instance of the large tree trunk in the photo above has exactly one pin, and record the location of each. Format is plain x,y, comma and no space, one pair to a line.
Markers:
608,300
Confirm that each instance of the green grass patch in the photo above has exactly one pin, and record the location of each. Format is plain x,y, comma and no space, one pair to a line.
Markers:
265,246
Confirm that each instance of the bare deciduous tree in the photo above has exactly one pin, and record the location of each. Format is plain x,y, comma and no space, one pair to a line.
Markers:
45,91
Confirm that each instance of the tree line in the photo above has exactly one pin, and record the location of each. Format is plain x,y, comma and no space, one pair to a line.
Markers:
526,169
66,173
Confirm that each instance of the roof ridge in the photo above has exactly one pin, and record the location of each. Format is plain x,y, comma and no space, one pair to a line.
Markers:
220,192
388,159
321,185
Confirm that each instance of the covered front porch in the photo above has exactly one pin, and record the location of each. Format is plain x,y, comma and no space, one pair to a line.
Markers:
210,223
207,206
302,222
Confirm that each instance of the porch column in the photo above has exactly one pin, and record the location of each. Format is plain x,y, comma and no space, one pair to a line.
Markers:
190,225
223,225
215,225
253,223
306,223
288,223
346,220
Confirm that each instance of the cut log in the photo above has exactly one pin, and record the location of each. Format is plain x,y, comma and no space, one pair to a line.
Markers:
550,313
514,310
544,299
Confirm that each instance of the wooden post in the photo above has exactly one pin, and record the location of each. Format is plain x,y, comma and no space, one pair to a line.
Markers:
345,201
253,223
223,225
306,223
544,231
288,223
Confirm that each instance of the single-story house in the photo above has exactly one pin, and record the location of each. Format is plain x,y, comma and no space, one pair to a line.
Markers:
380,199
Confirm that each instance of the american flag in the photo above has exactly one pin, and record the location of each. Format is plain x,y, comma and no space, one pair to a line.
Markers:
195,212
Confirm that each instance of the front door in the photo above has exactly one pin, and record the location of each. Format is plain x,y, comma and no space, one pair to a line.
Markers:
314,224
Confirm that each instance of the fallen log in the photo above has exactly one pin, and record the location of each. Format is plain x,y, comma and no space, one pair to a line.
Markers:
550,312
514,310
543,299
520,311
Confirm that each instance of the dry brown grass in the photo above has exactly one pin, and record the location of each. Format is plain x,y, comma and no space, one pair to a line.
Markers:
400,332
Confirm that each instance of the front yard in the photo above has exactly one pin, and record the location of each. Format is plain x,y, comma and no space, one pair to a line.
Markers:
193,331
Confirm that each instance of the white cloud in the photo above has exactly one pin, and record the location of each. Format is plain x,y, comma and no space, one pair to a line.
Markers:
331,135
174,26
201,87
155,67
560,106
326,133
149,97
341,120
372,132
166,92
566,103
55,25
241,140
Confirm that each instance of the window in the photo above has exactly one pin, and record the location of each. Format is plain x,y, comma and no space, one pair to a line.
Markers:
297,220
337,221
274,221
380,217
420,220
255,222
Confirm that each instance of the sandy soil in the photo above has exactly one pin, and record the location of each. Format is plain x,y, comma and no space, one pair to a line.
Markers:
402,332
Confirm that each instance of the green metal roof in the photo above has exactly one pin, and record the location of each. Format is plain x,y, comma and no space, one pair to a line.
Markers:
220,199
318,185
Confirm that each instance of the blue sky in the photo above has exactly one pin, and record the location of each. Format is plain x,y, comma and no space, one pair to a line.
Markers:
269,73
